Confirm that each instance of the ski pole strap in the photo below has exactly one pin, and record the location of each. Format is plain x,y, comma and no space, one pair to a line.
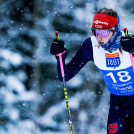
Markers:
61,53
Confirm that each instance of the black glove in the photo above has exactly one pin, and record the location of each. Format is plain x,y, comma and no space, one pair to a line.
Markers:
57,47
127,44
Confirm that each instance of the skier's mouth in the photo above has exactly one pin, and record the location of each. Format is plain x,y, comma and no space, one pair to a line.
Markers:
101,43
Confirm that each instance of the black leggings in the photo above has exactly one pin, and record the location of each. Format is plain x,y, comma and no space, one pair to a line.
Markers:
121,115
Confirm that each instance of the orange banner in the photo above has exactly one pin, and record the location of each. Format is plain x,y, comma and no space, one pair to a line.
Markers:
112,55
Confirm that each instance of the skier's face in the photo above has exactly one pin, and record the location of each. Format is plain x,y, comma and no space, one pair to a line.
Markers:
103,40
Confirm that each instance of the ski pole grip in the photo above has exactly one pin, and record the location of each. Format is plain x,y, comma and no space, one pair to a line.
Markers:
60,56
131,54
57,35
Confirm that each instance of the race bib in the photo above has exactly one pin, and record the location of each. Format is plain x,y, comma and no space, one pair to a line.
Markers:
120,82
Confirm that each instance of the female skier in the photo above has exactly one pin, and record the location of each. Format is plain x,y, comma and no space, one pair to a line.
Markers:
111,51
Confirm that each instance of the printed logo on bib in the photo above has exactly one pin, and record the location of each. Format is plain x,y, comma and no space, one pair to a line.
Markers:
112,60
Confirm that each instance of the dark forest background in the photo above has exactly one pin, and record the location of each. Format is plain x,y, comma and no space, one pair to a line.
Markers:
31,96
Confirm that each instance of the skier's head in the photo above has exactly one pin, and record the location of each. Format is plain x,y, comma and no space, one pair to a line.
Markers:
104,18
104,24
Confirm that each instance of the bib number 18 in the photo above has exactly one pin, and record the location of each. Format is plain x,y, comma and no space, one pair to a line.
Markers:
123,76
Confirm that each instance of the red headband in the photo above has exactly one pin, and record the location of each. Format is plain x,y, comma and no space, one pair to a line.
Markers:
104,21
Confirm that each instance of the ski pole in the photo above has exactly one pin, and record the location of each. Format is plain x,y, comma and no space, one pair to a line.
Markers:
131,54
64,86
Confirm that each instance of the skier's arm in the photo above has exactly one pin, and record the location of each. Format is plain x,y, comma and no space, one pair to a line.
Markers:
82,56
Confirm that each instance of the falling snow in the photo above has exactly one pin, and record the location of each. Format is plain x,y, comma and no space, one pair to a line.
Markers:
31,96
